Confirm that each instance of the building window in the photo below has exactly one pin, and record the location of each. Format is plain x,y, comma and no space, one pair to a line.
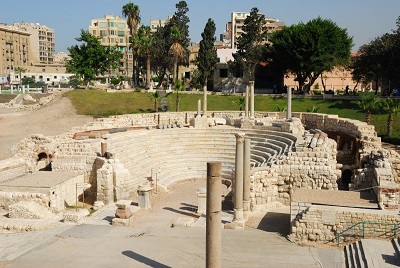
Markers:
121,33
111,24
112,32
94,32
103,33
121,25
103,25
223,72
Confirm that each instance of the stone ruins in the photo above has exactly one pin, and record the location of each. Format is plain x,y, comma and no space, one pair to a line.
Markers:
331,171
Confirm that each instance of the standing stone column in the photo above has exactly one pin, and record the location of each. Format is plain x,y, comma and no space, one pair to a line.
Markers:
251,99
246,176
204,100
198,108
103,149
289,103
213,215
246,104
238,189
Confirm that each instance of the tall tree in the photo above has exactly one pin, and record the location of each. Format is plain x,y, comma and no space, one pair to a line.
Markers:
144,38
90,59
132,14
308,50
176,50
180,21
251,44
207,58
160,48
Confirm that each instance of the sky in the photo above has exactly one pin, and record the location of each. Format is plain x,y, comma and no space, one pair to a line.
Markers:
363,19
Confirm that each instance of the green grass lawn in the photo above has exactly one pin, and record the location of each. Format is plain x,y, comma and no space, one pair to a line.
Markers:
100,103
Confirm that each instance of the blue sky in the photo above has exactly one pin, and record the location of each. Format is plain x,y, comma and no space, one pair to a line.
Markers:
363,19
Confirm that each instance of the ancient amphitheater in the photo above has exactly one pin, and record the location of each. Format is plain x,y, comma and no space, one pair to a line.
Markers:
332,172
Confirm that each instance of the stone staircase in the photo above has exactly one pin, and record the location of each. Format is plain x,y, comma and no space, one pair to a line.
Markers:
372,253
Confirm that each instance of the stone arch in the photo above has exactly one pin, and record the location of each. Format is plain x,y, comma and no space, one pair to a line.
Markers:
43,161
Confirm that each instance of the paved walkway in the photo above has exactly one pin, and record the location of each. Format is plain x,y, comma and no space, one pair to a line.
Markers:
154,241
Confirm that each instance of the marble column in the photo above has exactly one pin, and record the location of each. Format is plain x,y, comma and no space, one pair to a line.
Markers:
198,108
246,104
144,196
246,176
289,103
251,99
204,100
238,186
213,215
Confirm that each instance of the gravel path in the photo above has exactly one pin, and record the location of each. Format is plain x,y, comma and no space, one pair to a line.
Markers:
52,119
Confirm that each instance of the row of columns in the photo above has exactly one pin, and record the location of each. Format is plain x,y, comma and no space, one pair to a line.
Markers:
242,177
249,97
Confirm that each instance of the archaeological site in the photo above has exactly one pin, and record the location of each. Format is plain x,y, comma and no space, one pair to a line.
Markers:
338,180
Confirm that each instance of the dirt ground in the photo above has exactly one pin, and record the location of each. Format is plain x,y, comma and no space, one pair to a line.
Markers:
52,119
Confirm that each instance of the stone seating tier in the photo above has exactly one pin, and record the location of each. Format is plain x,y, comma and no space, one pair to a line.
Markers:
140,151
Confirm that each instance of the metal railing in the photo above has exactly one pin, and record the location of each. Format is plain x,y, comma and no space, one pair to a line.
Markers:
369,229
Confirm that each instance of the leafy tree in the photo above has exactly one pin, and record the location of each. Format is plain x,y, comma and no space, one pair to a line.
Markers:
28,80
379,61
176,50
90,58
391,107
207,58
368,104
251,44
144,41
132,14
160,47
19,71
308,50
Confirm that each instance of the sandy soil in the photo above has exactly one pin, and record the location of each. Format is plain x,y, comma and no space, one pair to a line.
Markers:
55,118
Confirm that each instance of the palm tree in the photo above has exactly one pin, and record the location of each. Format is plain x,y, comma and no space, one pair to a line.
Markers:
176,49
155,96
392,108
368,104
132,14
240,102
20,70
145,41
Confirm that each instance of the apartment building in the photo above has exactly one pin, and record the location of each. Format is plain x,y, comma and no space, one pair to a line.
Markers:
235,26
15,50
42,42
154,24
114,32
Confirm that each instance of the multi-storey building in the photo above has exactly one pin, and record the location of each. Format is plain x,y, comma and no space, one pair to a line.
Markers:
114,32
42,40
15,50
154,24
237,22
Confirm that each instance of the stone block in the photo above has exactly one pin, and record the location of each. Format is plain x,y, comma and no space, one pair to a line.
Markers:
123,204
123,213
75,216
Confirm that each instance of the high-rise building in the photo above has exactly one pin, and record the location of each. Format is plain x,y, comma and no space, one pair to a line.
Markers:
237,22
114,32
15,50
42,41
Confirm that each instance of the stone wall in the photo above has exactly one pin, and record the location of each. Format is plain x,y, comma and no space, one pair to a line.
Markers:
311,166
322,223
9,198
11,168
